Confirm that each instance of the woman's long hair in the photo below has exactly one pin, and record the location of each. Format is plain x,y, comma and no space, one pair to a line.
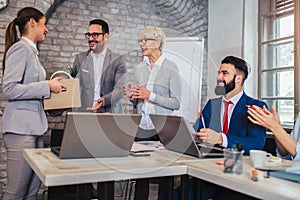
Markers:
23,17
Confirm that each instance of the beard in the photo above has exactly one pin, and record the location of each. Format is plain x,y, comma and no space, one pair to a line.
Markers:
99,46
228,87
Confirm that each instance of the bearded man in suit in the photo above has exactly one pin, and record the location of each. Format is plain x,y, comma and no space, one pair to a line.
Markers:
238,128
225,122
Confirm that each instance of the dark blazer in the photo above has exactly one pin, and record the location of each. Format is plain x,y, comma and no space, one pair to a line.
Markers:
112,80
241,130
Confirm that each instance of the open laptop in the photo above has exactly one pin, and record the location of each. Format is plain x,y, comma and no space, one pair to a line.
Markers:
178,135
97,135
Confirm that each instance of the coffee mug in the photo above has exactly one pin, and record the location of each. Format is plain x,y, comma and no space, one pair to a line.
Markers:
259,157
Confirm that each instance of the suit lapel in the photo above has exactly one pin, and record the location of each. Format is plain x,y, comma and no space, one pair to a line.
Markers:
215,122
38,67
238,108
106,62
87,65
90,67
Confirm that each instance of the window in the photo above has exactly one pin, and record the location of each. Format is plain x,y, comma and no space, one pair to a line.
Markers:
277,60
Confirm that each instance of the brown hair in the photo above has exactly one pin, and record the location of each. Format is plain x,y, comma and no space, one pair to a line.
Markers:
11,36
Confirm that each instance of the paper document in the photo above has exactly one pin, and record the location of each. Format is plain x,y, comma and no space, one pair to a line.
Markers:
147,146
281,167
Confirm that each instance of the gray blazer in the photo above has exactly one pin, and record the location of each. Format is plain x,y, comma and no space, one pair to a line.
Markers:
24,87
167,87
112,80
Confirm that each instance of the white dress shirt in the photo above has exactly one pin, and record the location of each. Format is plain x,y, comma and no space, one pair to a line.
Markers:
98,68
231,107
148,107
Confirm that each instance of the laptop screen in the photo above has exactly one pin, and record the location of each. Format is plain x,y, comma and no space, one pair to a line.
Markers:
178,135
174,134
98,135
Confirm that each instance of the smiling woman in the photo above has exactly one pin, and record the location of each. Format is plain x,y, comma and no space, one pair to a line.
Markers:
156,90
24,87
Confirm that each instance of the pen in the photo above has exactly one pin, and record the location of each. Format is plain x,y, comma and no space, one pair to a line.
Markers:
251,107
202,119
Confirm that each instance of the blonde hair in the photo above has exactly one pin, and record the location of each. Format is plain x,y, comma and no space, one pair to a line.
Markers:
154,33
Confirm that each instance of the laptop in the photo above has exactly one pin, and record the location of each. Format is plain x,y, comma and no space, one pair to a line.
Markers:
178,135
97,135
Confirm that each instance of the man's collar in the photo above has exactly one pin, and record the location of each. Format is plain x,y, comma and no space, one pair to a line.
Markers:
101,54
235,98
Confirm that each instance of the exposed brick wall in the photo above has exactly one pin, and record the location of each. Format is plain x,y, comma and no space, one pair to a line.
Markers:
69,21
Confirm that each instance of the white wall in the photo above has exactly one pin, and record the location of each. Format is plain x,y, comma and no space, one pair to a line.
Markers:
251,46
231,34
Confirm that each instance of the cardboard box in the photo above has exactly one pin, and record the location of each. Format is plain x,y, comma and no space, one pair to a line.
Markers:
65,99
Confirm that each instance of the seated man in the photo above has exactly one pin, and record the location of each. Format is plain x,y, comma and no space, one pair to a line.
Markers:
225,117
224,120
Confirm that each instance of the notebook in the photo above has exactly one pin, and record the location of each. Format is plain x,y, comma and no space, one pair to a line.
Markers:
290,176
178,135
97,135
279,166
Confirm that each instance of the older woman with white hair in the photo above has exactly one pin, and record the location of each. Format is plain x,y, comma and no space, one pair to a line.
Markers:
157,90
158,84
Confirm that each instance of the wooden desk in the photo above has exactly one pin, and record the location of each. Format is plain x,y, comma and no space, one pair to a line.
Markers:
266,188
53,172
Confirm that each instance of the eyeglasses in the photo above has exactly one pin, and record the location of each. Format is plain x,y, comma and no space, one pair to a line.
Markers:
144,40
94,35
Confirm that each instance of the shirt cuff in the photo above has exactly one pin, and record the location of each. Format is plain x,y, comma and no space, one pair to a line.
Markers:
103,104
152,96
225,141
297,157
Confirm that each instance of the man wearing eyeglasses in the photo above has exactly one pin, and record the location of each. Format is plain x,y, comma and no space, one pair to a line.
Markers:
101,71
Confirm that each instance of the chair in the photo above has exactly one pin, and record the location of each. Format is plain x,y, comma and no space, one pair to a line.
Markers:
130,184
270,144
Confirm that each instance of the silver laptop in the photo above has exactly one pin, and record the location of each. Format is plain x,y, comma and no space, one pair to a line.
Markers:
97,135
178,135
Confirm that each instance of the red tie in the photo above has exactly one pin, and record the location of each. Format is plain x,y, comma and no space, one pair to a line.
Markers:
225,117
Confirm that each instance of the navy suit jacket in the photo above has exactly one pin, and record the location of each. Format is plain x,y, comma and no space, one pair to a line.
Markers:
241,130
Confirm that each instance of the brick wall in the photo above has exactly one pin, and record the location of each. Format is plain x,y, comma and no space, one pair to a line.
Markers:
68,21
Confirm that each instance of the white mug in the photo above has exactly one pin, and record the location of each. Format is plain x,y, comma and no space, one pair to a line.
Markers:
259,157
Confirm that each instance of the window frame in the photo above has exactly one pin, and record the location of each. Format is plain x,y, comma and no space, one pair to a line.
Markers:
296,67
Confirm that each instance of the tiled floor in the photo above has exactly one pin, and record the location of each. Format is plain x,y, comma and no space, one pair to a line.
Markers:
119,192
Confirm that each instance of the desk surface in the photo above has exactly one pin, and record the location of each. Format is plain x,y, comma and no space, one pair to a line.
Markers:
265,188
53,171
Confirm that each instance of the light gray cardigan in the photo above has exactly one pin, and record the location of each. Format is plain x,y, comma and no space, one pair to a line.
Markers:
167,87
